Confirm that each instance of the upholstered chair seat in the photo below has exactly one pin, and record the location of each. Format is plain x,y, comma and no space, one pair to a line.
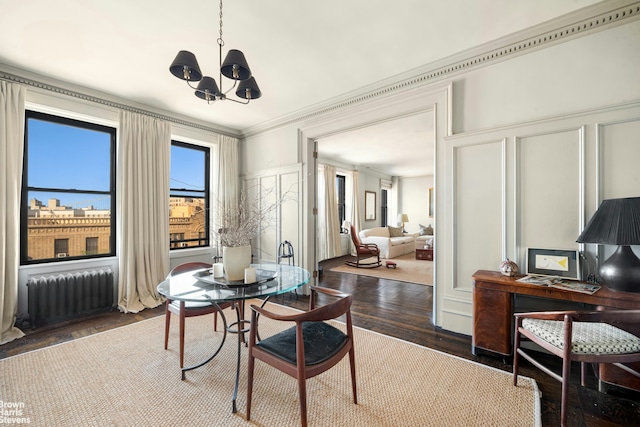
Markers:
588,337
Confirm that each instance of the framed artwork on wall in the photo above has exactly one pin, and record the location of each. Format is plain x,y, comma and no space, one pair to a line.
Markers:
369,206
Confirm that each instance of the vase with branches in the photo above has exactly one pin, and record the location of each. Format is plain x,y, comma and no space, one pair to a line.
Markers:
239,223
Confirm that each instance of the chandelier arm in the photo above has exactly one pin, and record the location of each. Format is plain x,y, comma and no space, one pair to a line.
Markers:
235,100
189,84
235,83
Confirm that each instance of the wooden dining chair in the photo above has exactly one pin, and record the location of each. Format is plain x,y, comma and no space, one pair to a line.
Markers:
364,251
582,336
307,349
191,309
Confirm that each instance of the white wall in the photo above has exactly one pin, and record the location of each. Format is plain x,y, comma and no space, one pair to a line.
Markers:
414,201
533,155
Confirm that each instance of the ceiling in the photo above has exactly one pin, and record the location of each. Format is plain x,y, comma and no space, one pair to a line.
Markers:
303,54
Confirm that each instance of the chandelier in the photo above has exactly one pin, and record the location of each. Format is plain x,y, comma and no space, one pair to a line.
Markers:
235,67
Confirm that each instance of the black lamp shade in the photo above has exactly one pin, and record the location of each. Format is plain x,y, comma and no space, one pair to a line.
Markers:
248,89
185,67
207,89
616,222
235,66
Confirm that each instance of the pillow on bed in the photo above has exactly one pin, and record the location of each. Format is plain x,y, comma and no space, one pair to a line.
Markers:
395,231
426,231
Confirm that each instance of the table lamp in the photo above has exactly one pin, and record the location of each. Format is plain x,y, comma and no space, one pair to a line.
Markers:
346,225
617,222
403,218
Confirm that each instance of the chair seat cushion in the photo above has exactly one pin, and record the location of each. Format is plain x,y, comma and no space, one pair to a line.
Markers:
321,341
588,337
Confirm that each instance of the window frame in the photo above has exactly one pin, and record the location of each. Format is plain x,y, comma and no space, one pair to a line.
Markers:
181,244
25,188
384,208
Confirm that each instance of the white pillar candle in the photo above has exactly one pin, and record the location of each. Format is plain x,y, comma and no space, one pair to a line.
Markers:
249,275
218,270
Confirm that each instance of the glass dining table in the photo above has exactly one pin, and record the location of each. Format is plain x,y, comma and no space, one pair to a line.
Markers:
200,286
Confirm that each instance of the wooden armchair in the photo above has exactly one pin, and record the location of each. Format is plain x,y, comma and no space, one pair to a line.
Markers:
306,349
586,337
364,251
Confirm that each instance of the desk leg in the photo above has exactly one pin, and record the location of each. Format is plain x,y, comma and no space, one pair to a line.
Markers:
224,337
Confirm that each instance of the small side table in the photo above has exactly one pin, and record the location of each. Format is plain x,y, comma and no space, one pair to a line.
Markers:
424,254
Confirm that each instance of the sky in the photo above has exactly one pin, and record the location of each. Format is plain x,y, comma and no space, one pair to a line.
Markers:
58,157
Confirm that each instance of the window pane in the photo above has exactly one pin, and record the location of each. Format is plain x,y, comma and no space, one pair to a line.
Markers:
72,217
187,222
189,189
66,157
187,168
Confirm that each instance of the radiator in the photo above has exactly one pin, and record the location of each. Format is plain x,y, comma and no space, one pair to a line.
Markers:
64,296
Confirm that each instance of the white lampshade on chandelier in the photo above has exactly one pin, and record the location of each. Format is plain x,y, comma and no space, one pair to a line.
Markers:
235,67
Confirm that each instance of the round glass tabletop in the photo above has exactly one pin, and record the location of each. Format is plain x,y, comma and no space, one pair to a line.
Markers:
201,286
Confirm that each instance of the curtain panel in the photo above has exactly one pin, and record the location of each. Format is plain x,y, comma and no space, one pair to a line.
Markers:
12,99
144,159
328,221
228,193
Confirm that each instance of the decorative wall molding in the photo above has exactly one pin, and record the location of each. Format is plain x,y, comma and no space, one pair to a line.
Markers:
578,24
40,84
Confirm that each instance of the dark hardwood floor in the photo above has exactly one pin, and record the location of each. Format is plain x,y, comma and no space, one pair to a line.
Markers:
402,310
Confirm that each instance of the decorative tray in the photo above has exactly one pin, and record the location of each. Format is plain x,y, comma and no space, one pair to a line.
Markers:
206,276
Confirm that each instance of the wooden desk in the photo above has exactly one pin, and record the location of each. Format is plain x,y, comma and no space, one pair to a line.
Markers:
493,296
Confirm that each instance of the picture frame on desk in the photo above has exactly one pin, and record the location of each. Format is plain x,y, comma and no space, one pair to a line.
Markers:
563,263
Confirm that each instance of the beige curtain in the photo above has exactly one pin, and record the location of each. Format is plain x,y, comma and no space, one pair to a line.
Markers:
228,193
328,221
144,160
12,99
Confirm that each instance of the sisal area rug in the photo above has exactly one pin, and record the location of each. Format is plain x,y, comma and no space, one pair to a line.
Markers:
124,377
408,269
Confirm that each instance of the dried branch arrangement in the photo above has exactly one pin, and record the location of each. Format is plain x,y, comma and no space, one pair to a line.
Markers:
239,224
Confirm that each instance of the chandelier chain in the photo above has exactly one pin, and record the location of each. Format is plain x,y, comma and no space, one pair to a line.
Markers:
220,41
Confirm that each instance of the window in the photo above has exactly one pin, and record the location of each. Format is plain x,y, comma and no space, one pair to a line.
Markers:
68,189
384,220
61,248
91,245
340,190
189,196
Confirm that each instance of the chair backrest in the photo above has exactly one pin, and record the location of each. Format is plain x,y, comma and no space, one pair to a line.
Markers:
331,310
188,266
354,237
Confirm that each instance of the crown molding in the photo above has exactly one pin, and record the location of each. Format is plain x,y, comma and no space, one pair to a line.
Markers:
42,83
589,20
